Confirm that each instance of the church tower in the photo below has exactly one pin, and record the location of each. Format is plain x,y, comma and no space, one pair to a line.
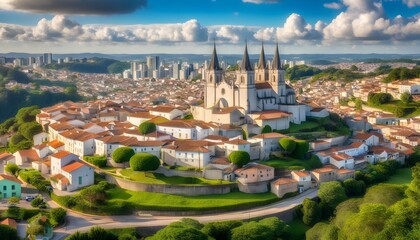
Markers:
213,78
246,84
276,75
261,71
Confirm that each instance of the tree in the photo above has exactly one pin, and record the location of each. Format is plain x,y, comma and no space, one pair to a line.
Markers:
311,212
30,129
126,236
79,236
239,158
178,231
98,233
13,201
354,68
38,201
354,187
16,139
8,233
27,114
252,231
12,169
301,148
331,193
187,222
221,230
144,162
266,129
322,231
406,98
277,226
58,215
93,194
147,127
122,154
287,144
358,104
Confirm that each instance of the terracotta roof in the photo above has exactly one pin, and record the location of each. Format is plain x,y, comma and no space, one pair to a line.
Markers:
272,115
165,109
177,124
301,173
61,154
55,144
263,85
31,154
340,156
141,115
40,146
10,178
9,222
237,142
72,166
323,170
318,109
283,181
363,136
61,126
250,166
344,171
217,138
60,177
189,145
221,161
380,149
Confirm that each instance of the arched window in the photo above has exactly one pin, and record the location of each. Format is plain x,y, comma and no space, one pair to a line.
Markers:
259,77
274,78
211,79
242,79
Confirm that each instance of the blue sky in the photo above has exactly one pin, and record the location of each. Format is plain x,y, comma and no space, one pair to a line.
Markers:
185,26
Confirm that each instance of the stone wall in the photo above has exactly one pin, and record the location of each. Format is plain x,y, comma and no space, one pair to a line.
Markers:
188,190
180,173
259,187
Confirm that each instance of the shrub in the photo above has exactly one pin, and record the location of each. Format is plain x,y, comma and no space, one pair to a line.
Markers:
277,226
266,129
38,201
147,127
253,231
220,230
301,148
287,144
12,169
354,187
311,212
99,161
239,158
144,162
8,233
331,193
16,139
122,154
58,215
30,129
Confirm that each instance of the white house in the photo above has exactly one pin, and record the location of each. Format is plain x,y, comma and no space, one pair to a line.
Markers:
342,160
269,142
381,154
236,145
168,112
194,153
303,178
367,138
139,117
40,138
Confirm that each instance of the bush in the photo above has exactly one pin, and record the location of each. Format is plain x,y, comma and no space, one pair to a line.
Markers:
144,162
266,129
16,139
20,213
239,158
30,129
38,201
12,169
122,154
277,226
57,216
8,233
99,161
331,193
311,212
221,230
253,231
301,148
354,187
147,127
287,144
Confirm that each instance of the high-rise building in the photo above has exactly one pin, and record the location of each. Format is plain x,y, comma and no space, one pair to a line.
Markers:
134,70
31,60
175,70
152,63
47,58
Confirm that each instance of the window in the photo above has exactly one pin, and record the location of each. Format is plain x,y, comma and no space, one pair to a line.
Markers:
80,180
211,79
242,79
13,194
13,187
4,188
274,78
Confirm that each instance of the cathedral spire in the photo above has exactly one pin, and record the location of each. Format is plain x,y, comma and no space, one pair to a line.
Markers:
214,62
246,64
261,62
276,60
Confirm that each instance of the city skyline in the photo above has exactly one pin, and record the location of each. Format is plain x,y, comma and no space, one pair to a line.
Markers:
362,26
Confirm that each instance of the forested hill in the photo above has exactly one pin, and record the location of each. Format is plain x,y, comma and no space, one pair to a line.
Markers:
11,100
92,65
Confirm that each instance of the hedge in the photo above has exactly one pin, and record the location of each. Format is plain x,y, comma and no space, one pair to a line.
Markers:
144,162
99,161
20,213
122,154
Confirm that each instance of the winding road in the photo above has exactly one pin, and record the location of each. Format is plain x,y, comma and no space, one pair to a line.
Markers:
81,222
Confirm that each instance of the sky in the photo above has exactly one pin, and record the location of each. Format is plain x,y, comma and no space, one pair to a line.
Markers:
191,26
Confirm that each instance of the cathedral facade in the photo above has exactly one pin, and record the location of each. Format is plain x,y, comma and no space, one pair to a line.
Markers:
257,95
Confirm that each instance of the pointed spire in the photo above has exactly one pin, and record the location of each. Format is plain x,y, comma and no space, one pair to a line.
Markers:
246,64
276,60
214,62
261,62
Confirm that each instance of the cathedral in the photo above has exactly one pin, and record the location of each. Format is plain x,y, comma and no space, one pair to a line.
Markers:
257,96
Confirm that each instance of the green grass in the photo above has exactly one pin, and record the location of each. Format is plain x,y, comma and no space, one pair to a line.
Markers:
402,176
156,178
303,126
292,163
390,107
298,229
167,202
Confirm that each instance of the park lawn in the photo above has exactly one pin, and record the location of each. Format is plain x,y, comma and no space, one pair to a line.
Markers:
168,202
293,164
298,229
157,178
402,176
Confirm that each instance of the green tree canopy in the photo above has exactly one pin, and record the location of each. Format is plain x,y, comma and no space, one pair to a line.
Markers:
30,129
12,169
406,98
221,230
27,114
253,231
287,144
122,154
93,195
302,147
144,162
277,226
332,193
266,129
311,212
239,158
354,187
8,233
147,127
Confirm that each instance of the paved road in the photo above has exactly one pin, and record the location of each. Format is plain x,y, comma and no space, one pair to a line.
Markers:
82,222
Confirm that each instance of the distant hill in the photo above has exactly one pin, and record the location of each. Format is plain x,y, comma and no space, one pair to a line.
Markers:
92,65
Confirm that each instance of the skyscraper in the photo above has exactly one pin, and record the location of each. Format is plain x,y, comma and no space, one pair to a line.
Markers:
47,58
152,63
175,70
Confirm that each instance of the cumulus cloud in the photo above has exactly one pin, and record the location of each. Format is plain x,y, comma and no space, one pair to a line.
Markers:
295,28
260,1
232,33
61,28
412,3
84,7
333,5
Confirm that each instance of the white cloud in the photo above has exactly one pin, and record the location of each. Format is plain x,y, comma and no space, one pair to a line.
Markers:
260,1
412,3
333,5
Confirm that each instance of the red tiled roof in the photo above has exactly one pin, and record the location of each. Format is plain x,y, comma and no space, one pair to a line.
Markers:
283,181
60,177
72,166
61,154
10,178
55,144
9,222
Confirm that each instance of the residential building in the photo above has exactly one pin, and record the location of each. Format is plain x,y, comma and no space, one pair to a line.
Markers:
284,185
10,186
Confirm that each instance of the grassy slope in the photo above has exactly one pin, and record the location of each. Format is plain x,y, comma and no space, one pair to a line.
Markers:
308,164
402,176
160,201
157,178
